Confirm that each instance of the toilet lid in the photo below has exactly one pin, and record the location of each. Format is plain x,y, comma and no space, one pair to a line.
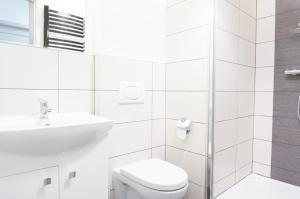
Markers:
156,174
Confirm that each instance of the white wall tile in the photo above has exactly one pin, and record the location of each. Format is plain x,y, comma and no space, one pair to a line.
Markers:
266,8
264,79
107,104
136,134
247,27
188,75
158,132
243,172
172,2
110,71
235,2
249,6
158,109
224,184
28,67
264,103
192,105
246,78
159,76
263,128
195,191
226,78
224,163
246,53
186,15
244,154
265,54
266,29
262,169
225,134
76,71
76,101
226,46
226,106
192,163
159,152
245,129
262,151
227,16
23,102
188,45
196,142
245,104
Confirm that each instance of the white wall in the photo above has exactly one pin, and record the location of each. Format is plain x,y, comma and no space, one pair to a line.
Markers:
235,84
187,86
132,29
265,56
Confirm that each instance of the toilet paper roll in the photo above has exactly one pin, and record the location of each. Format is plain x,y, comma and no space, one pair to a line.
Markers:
182,133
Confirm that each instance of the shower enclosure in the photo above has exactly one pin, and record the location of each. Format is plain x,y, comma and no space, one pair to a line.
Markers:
254,87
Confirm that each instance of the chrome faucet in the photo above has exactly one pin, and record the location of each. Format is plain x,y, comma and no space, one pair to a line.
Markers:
44,109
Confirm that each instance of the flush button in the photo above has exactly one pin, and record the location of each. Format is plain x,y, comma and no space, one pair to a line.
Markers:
131,93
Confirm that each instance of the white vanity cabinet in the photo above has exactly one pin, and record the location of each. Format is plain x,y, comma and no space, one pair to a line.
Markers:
84,174
40,184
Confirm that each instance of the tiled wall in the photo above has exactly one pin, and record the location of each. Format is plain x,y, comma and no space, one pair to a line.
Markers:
64,79
286,133
265,48
187,72
139,129
235,85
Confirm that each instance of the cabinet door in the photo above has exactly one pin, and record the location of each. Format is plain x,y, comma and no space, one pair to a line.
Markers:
84,175
40,184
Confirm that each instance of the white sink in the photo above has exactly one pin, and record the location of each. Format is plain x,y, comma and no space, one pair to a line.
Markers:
58,133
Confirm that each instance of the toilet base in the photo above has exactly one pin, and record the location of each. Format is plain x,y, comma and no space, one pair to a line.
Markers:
124,191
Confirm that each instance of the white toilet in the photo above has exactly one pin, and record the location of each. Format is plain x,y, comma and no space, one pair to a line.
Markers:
150,179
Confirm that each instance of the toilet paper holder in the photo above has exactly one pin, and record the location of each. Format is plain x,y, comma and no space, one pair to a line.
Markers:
184,125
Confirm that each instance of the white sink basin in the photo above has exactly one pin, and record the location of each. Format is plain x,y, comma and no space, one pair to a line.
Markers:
58,133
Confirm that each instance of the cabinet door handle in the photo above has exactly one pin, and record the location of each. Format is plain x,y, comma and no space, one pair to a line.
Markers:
72,175
47,181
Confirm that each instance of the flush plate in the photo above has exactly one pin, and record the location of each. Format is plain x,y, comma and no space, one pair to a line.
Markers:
131,93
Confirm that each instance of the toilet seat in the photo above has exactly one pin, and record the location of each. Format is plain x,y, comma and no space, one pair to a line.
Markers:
156,174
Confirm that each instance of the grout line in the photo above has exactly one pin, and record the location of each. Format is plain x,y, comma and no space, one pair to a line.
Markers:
236,35
181,149
261,163
196,122
186,30
235,145
186,60
238,7
130,153
254,101
226,61
242,117
260,18
232,91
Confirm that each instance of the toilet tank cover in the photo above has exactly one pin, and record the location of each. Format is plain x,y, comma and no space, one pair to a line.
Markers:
156,174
